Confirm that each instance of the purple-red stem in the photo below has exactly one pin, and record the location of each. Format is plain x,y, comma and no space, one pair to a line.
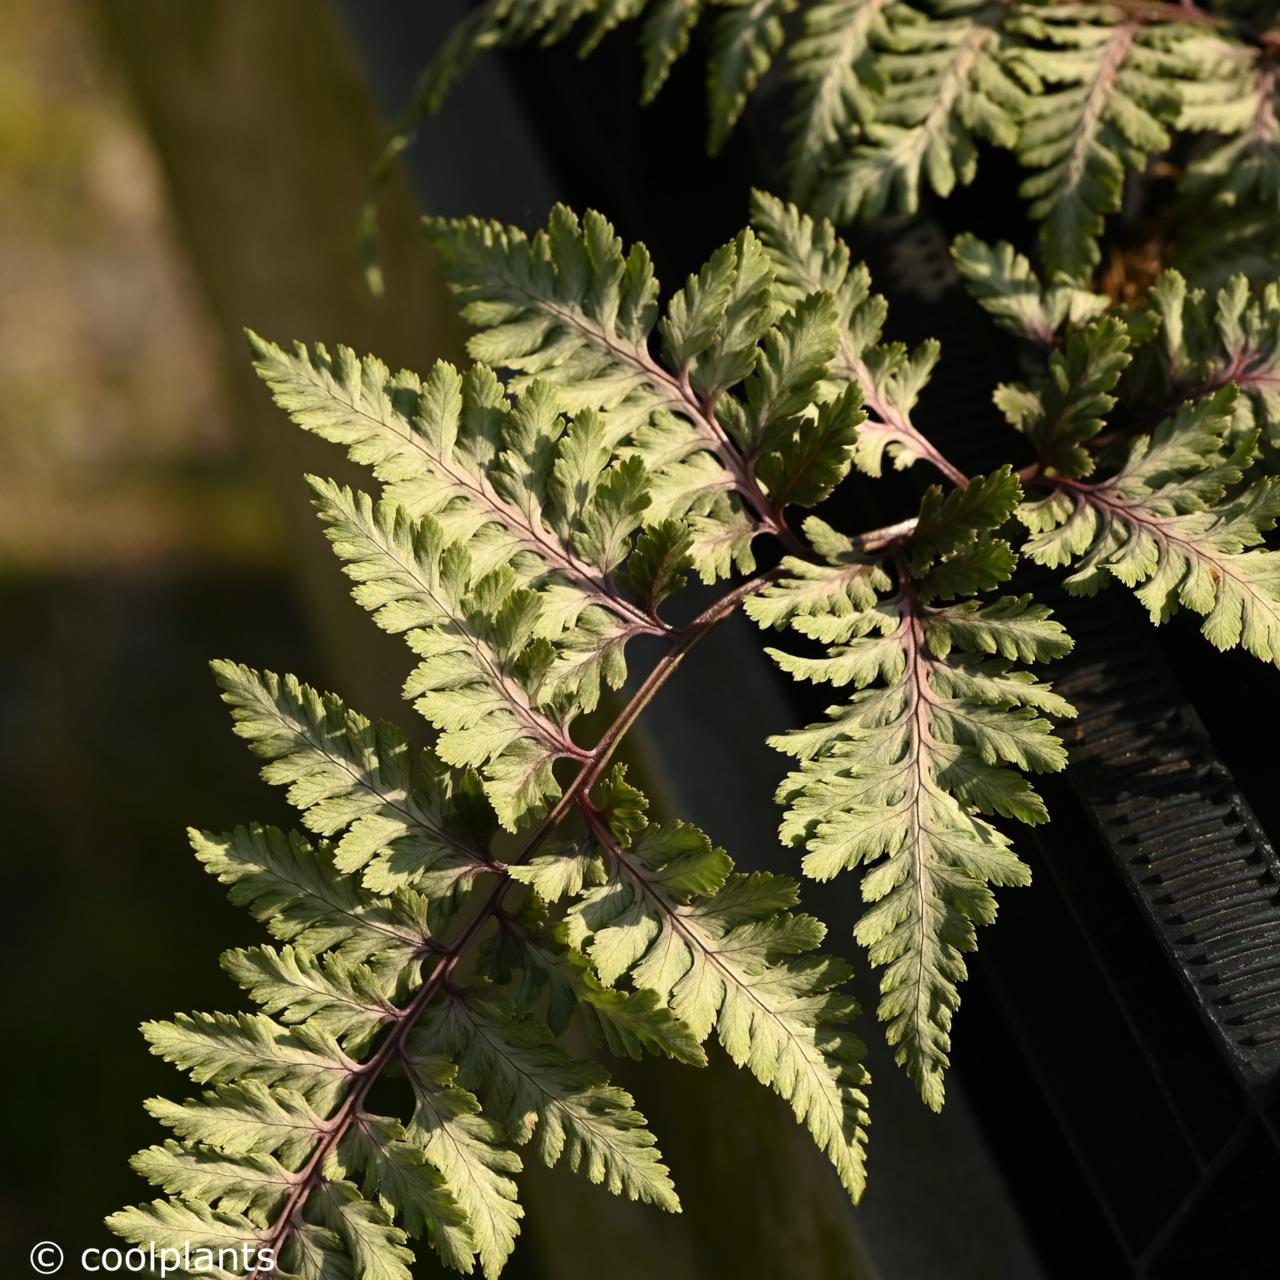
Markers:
593,765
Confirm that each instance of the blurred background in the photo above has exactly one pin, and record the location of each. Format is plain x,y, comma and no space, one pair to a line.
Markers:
168,174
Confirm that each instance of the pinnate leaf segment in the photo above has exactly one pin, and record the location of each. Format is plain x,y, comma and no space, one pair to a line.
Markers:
442,916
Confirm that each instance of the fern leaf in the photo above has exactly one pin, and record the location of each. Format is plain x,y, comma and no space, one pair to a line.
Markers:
187,1225
467,1149
1206,340
898,777
454,448
296,891
252,1184
566,1107
660,562
480,681
665,40
1239,104
724,953
245,1119
1175,525
804,458
746,38
1004,284
350,1002
376,1152
809,257
1070,404
749,312
1116,95
396,809
833,66
316,1253
375,1247
218,1048
949,83
567,306
950,521
561,874
629,1023
793,359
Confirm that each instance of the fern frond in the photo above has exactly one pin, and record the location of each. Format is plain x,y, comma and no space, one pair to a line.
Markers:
378,1155
481,681
723,422
1243,164
725,952
244,1119
284,1153
182,1225
402,818
892,98
1070,404
1176,525
254,1184
538,1092
453,447
664,40
468,1151
567,306
300,895
524,534
222,1048
898,777
745,39
833,66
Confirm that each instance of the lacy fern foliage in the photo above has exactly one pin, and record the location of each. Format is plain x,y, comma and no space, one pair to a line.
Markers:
892,100
447,914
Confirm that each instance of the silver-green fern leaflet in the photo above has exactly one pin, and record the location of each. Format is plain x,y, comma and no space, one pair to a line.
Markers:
1185,503
285,1125
725,952
1198,341
943,712
722,378
1180,524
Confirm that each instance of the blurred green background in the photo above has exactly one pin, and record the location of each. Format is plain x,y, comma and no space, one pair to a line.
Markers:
152,517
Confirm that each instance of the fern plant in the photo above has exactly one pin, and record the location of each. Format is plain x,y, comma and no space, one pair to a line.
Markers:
444,915
891,99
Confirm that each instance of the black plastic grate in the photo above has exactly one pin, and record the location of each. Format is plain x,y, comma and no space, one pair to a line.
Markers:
1191,850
